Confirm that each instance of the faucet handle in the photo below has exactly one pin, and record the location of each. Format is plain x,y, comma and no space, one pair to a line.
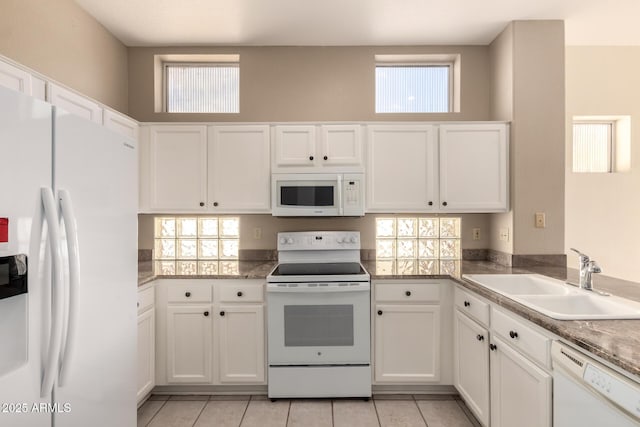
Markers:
593,267
583,257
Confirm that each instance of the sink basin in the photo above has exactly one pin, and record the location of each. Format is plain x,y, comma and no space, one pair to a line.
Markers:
520,284
556,299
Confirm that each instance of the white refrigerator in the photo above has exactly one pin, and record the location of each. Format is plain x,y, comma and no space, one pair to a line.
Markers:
68,201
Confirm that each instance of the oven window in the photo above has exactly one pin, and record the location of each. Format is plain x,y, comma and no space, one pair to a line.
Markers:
306,196
318,325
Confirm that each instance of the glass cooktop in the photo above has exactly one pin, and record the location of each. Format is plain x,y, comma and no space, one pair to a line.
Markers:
315,269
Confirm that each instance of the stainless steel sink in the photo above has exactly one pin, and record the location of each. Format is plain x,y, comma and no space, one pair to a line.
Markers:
557,299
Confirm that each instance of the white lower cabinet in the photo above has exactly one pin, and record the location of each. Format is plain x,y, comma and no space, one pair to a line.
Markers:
189,333
520,390
471,365
501,370
146,344
210,332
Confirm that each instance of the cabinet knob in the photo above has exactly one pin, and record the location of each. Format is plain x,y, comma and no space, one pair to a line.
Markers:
187,294
326,158
379,312
493,347
215,203
206,314
408,293
480,337
467,303
201,203
310,157
222,313
444,203
430,203
513,334
239,293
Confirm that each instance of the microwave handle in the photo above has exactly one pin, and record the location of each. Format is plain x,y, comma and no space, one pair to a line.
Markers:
340,207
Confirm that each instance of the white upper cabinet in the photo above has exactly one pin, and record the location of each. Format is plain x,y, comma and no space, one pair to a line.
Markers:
74,103
177,168
120,123
402,167
303,148
22,81
239,169
473,168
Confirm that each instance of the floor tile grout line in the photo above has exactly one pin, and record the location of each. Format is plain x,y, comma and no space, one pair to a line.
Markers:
375,408
467,412
333,420
420,411
288,412
154,415
246,407
206,402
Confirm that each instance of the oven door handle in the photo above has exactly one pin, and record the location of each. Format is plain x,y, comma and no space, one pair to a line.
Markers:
319,289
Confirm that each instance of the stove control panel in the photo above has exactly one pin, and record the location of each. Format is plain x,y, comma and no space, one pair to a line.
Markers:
318,240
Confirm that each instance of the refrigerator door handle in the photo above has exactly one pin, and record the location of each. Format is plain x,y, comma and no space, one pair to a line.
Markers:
71,227
57,293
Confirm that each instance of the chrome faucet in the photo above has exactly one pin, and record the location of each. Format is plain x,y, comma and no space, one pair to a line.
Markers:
587,268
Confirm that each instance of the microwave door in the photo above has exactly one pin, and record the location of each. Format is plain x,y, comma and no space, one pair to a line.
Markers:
307,198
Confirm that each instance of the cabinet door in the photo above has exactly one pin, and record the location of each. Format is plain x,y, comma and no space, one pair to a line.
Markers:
471,365
15,78
295,146
473,168
341,145
520,391
75,104
178,168
189,339
404,352
120,123
401,169
146,353
241,343
239,169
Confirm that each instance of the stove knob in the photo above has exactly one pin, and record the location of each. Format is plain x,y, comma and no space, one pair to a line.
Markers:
289,241
353,239
283,240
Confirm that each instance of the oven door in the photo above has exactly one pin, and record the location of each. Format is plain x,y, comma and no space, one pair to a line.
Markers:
318,324
306,194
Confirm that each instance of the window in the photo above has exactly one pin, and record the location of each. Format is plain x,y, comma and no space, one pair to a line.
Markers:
601,144
196,245
415,83
200,83
421,245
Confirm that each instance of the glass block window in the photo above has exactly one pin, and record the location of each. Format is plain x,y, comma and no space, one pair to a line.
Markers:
196,245
202,88
419,245
413,88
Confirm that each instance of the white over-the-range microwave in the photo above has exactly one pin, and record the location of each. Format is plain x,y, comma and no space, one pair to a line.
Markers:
317,194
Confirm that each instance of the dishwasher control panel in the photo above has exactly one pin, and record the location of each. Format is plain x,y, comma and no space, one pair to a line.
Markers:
619,390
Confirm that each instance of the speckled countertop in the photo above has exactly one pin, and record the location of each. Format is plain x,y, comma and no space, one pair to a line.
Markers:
617,341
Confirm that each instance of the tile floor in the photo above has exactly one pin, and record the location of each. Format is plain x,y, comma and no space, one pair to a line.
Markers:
245,411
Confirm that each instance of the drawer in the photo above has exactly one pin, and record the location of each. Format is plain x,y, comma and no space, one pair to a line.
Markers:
189,293
145,299
240,292
473,306
407,292
522,336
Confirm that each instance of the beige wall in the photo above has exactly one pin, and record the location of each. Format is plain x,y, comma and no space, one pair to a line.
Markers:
270,226
61,41
603,210
309,83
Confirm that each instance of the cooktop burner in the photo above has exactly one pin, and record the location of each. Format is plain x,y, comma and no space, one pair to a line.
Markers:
312,269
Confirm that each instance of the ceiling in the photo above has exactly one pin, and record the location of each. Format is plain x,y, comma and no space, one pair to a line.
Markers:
356,22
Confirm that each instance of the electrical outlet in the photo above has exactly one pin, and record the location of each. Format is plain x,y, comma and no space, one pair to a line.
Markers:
504,234
540,220
476,234
257,233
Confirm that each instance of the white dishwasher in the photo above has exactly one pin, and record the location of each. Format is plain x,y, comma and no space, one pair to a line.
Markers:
588,394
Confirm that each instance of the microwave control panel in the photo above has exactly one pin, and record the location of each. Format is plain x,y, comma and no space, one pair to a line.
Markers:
353,196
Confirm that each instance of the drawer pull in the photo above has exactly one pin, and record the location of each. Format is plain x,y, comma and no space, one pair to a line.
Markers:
408,293
480,337
187,294
493,347
379,312
206,314
222,313
467,303
513,334
239,293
